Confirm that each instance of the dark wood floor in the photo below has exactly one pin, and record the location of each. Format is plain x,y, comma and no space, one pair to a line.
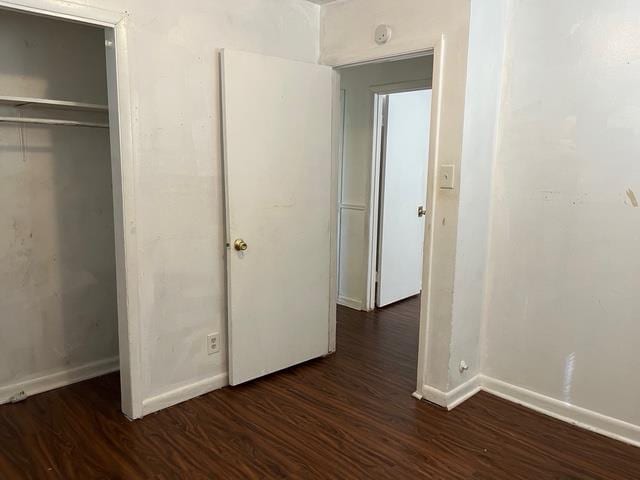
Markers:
349,415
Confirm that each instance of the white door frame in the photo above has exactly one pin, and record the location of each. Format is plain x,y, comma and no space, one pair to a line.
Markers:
437,85
379,92
123,177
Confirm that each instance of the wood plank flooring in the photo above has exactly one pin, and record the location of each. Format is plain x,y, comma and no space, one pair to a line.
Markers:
349,415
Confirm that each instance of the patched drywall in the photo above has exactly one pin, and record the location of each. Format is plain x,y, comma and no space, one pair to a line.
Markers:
562,316
356,82
57,266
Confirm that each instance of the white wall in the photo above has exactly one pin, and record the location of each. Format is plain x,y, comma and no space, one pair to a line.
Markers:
356,82
175,68
173,65
57,267
487,35
347,36
560,303
563,303
544,307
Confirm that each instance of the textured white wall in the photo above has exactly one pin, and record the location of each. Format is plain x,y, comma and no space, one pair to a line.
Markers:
174,67
563,305
174,63
57,266
357,163
487,35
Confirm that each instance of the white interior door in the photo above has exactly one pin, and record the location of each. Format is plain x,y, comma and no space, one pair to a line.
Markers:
277,141
403,191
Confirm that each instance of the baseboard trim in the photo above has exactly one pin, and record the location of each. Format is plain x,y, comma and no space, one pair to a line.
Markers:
184,393
581,417
578,416
60,378
452,398
351,303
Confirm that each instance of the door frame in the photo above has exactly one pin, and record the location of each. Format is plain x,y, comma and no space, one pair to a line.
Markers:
437,50
379,92
115,25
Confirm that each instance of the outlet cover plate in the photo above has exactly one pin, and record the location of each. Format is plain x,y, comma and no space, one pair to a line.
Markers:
213,343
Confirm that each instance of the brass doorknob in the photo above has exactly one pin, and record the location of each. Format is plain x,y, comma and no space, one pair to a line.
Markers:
240,245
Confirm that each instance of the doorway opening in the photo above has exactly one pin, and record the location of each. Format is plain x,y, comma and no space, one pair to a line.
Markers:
283,279
383,177
401,129
382,193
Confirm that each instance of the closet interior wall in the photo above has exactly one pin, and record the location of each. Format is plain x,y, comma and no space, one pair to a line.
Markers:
58,314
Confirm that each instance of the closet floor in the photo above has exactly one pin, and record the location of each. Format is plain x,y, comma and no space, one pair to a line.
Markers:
349,415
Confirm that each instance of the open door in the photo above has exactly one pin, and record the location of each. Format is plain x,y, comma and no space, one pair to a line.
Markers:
403,193
277,162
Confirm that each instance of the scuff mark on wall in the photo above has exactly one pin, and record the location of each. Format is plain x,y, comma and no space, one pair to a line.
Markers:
632,198
283,205
569,370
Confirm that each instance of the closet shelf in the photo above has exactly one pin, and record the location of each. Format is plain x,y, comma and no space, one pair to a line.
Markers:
51,121
49,103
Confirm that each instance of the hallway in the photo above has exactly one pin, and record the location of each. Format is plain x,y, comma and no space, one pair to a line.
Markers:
350,415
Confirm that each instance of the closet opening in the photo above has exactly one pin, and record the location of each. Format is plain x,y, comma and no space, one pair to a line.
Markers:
60,229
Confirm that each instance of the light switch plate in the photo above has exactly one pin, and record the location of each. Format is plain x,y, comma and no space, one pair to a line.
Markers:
446,176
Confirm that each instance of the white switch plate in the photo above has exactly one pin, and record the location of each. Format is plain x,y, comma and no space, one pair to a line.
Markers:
446,176
213,343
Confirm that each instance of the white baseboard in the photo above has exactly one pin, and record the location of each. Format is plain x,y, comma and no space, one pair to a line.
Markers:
452,398
59,378
186,392
581,417
351,303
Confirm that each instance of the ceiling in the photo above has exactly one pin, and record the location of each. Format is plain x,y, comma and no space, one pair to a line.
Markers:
321,2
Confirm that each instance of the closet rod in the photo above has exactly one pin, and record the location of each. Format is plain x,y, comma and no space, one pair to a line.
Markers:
50,103
50,121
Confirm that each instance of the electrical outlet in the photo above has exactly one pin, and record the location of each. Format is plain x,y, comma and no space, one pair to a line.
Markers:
213,343
382,34
463,366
